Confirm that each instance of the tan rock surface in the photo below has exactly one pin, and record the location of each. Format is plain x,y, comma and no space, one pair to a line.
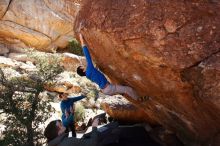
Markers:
35,15
3,7
11,33
52,21
167,50
64,87
66,8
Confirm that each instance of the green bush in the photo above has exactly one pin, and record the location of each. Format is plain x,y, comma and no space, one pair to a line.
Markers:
75,48
93,93
23,104
79,113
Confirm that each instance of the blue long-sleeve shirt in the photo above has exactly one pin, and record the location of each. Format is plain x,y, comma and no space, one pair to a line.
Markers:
92,73
65,105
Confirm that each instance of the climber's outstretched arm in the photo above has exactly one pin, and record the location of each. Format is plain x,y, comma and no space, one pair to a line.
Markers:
82,41
86,52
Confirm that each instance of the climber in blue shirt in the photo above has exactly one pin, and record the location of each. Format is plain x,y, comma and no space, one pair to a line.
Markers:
98,77
67,108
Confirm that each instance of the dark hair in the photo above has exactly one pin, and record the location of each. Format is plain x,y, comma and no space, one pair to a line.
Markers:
59,94
51,131
80,71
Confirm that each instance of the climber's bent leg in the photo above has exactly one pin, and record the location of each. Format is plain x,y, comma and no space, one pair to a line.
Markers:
119,89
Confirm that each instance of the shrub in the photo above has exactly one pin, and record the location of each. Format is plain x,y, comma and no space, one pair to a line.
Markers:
79,113
24,105
74,47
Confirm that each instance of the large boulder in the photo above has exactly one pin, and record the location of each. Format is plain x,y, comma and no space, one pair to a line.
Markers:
168,50
122,110
3,7
43,24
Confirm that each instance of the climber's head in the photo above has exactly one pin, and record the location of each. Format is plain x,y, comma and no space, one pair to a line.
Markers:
81,71
62,95
54,129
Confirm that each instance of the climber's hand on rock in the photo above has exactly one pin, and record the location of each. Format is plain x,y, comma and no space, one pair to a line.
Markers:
81,26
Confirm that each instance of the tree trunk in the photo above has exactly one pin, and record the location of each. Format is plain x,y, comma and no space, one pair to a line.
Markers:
30,134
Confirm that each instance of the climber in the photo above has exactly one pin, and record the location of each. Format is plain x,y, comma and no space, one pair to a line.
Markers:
56,136
67,108
98,77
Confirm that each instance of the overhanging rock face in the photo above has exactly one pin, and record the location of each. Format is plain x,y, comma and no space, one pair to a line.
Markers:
168,50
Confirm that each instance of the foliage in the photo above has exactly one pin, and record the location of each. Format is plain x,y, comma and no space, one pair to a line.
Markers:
23,103
79,113
93,93
74,47
48,66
